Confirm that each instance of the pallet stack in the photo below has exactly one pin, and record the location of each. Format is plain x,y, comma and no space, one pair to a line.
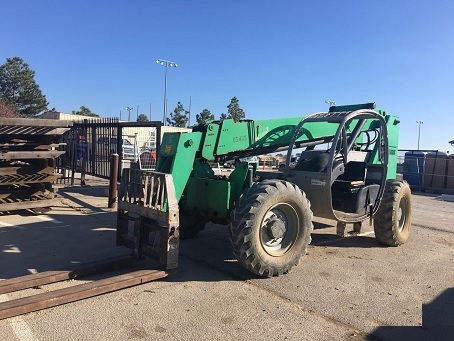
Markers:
28,149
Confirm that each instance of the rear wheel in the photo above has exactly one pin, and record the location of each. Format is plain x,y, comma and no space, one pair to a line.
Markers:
392,221
271,228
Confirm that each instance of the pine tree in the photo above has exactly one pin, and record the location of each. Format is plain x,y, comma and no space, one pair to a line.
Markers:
234,111
8,111
142,118
84,111
179,116
204,116
18,88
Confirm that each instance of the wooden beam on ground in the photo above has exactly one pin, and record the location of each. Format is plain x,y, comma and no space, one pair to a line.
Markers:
54,298
74,271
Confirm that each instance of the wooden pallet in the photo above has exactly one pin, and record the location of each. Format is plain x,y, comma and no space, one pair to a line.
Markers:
71,294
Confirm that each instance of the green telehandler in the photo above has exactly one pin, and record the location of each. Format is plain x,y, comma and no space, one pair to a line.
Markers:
346,171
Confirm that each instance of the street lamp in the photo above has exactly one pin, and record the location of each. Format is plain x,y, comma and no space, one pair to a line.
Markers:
167,64
330,103
129,113
419,130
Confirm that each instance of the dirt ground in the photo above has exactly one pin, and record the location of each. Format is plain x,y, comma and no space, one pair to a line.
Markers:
344,289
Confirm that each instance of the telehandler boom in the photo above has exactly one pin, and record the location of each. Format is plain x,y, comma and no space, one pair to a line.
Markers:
346,171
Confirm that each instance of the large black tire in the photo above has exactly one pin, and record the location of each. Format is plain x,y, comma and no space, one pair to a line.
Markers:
392,221
271,228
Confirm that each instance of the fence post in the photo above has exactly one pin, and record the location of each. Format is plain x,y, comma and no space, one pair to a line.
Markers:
113,179
74,159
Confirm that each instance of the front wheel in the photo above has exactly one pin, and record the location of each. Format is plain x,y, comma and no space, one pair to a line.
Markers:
392,221
271,227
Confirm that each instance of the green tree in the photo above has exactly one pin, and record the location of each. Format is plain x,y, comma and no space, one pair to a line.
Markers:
179,116
142,118
234,111
204,116
84,111
223,117
19,89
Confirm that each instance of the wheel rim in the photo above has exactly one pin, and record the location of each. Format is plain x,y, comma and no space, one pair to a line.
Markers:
279,229
402,213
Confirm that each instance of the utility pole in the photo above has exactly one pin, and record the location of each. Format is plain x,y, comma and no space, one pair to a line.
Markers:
419,130
190,102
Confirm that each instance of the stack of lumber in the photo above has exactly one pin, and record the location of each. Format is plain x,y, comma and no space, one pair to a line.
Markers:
28,149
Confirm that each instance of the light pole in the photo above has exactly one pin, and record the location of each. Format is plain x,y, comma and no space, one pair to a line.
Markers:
167,64
330,103
129,113
419,130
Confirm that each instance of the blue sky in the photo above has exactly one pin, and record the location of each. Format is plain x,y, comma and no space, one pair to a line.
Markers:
279,58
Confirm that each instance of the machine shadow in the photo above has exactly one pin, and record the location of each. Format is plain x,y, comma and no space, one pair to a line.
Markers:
75,194
56,243
437,322
351,240
60,238
93,190
211,250
209,257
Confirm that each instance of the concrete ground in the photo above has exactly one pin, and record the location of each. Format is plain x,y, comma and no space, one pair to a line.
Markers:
343,289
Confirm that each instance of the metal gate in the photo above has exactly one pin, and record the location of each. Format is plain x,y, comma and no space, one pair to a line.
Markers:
90,144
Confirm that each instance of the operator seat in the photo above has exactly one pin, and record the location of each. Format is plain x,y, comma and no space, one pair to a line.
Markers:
314,161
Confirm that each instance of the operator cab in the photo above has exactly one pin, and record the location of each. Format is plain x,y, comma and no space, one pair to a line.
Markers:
343,166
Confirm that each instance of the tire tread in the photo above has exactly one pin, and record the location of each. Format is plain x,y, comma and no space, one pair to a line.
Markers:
243,222
385,227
